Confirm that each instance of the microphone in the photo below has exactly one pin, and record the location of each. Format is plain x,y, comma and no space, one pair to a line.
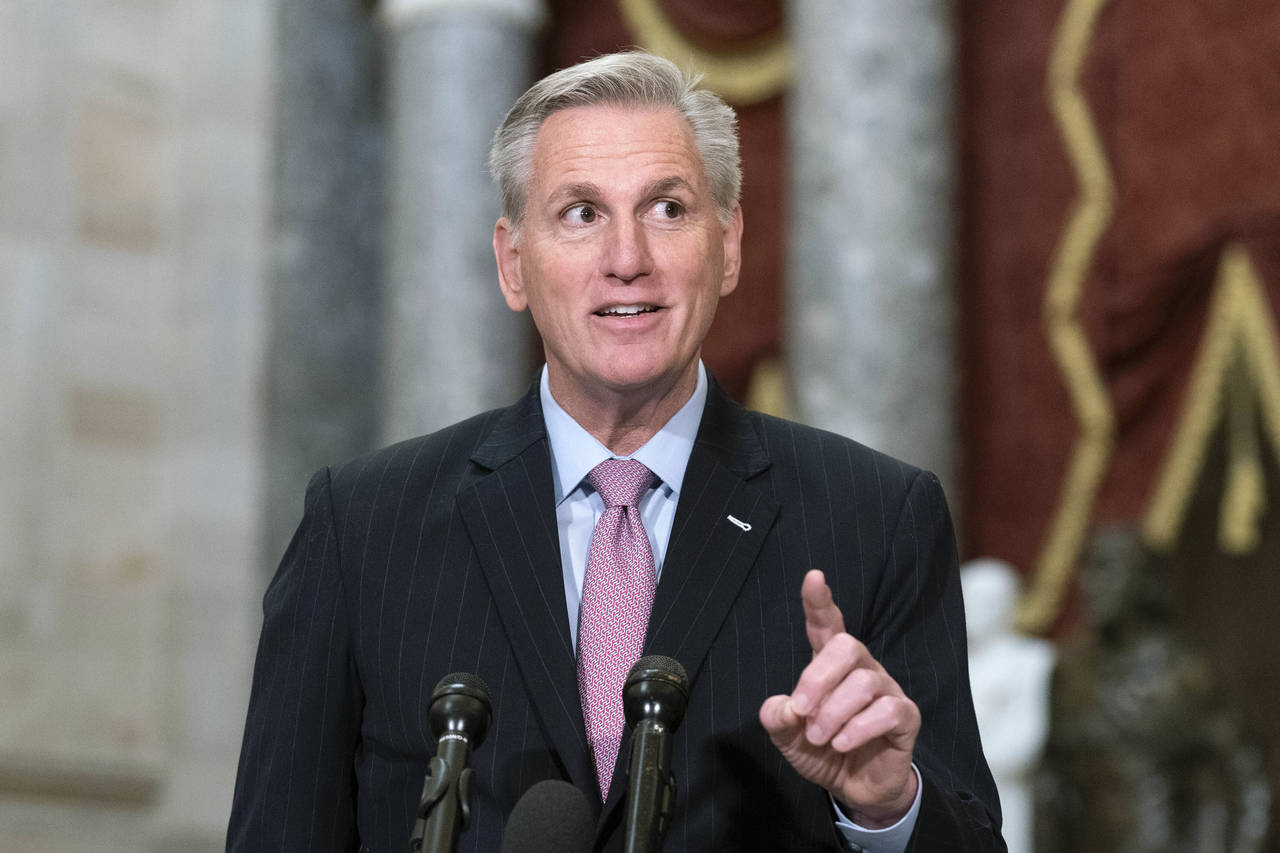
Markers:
459,714
654,700
552,817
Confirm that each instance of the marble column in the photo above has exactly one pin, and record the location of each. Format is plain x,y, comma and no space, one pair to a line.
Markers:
452,346
870,305
325,319
133,271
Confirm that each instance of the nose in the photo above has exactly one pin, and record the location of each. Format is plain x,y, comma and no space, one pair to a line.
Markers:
626,256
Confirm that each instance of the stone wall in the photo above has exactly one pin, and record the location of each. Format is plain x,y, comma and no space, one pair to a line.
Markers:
133,173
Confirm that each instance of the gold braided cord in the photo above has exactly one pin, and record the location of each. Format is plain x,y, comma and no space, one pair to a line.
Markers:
1090,215
1238,363
1244,496
742,77
1261,346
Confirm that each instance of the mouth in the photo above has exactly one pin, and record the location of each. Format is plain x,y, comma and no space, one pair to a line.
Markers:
626,310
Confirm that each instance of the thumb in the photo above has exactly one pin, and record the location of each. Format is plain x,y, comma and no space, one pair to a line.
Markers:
778,718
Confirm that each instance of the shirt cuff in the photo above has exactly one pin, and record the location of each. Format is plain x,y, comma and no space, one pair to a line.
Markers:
891,839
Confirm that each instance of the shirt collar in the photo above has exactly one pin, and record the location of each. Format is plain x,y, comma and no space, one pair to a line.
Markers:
574,451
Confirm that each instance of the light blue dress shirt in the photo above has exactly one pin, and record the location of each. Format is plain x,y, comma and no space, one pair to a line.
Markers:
574,452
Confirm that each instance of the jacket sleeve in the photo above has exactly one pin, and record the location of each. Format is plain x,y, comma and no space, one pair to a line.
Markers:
295,786
918,635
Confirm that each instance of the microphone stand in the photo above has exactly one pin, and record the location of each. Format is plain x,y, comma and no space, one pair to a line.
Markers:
438,822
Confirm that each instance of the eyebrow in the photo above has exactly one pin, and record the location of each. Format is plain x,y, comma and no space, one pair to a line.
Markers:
588,190
581,190
666,185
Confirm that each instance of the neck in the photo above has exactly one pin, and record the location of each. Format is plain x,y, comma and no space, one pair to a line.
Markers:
623,420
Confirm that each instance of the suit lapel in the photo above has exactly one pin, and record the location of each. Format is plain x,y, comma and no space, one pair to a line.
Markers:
510,515
721,523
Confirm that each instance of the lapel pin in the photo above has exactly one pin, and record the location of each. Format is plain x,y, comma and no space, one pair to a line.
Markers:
742,524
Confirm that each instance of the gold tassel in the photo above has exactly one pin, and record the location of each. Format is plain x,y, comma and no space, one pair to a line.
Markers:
1244,496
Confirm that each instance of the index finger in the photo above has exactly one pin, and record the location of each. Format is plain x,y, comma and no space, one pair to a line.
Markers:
822,618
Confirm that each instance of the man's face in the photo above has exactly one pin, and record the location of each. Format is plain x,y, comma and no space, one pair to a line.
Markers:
620,258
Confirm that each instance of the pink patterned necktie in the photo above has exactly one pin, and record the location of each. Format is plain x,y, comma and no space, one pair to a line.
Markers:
617,595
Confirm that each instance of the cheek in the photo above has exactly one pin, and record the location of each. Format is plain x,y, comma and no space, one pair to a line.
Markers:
553,314
540,279
557,280
543,317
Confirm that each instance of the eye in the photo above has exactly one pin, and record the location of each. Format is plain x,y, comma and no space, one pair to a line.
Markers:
667,209
580,214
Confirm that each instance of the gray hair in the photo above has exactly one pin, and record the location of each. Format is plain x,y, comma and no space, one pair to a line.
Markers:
629,78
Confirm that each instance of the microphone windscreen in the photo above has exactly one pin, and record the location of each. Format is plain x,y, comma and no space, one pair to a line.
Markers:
552,817
659,666
463,683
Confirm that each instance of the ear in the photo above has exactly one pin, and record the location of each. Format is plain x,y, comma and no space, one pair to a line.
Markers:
508,256
731,233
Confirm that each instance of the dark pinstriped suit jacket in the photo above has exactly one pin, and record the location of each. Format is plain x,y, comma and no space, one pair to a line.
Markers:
441,554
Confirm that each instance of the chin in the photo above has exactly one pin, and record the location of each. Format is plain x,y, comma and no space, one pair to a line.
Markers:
623,376
623,382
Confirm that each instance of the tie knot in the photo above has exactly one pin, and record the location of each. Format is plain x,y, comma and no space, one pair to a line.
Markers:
620,482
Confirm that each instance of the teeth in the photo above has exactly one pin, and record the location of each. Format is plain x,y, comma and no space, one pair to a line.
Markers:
626,310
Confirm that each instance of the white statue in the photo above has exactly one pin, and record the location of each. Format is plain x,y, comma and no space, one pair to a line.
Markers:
1010,674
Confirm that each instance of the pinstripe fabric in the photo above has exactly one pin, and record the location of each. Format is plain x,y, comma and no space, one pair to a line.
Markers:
440,554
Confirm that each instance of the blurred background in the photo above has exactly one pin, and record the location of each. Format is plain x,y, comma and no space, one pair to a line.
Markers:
1033,246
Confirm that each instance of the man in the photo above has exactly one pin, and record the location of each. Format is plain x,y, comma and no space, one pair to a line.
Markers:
828,709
